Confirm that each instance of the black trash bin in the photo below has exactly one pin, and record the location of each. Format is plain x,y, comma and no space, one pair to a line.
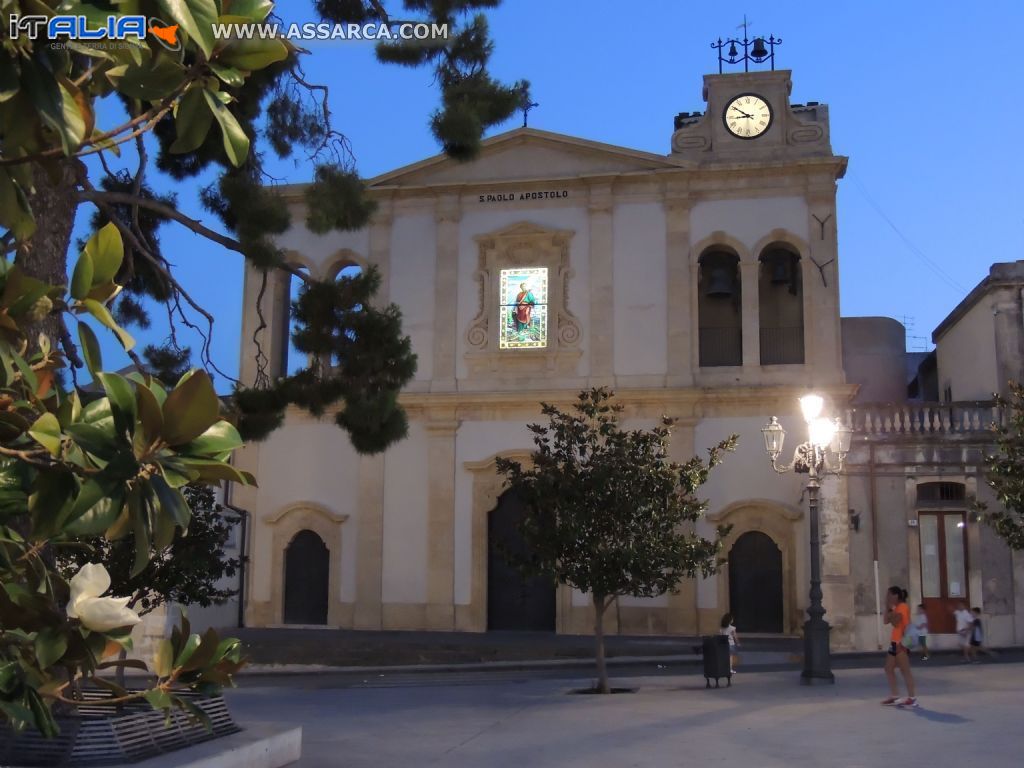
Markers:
715,650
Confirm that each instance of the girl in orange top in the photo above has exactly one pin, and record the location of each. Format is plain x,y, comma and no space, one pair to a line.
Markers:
898,614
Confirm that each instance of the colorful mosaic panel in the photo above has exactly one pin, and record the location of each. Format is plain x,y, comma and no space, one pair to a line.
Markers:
523,313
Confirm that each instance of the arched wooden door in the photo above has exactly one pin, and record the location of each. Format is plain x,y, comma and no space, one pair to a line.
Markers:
755,583
514,602
307,566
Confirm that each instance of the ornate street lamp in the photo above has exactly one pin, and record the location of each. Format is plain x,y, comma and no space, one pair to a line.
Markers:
823,454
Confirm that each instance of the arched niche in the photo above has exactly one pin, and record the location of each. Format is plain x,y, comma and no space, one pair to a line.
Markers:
781,523
285,525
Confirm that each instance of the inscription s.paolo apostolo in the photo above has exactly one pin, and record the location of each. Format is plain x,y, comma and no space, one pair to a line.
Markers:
512,197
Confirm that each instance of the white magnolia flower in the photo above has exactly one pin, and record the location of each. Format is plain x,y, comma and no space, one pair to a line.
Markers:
100,614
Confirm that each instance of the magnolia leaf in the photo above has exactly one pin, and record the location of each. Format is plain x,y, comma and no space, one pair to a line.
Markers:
106,249
228,75
211,471
176,473
150,413
163,659
196,18
50,646
46,432
95,509
172,503
15,211
81,280
252,10
218,442
102,314
236,143
93,439
90,346
186,653
192,121
191,409
122,402
141,530
152,81
253,54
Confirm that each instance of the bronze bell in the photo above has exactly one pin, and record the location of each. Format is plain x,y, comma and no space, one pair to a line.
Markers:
759,51
720,283
733,53
782,268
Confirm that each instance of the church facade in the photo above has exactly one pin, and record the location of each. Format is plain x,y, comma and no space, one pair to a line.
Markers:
701,284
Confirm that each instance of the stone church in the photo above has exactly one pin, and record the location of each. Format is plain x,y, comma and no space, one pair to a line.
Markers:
701,284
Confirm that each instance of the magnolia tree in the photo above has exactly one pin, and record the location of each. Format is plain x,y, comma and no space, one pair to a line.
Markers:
1004,470
92,123
113,467
607,511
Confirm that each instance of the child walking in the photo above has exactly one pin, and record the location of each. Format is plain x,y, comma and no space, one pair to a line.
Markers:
729,630
978,636
898,615
964,628
921,622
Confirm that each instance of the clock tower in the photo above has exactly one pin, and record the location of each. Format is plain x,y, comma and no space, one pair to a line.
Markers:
749,118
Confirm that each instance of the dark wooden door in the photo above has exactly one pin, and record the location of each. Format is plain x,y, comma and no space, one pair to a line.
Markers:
755,583
514,602
307,566
943,568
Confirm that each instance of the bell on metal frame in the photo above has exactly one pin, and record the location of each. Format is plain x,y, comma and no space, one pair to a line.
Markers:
720,283
733,53
759,51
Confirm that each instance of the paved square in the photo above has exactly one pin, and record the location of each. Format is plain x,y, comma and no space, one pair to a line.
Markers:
969,715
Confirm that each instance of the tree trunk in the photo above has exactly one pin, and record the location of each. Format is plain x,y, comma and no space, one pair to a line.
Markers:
602,669
45,255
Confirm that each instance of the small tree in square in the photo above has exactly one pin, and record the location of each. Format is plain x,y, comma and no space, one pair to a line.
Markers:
1004,470
607,509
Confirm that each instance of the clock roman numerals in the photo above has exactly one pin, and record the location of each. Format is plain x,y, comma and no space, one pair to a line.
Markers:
747,116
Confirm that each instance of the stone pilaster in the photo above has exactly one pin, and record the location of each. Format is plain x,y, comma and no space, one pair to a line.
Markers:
380,247
441,523
822,331
750,314
370,543
1009,341
446,288
681,336
602,299
681,616
836,586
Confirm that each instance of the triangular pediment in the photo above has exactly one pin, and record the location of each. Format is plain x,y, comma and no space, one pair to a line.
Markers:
526,154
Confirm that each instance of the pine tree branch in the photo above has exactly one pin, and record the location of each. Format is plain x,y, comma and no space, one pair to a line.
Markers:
160,265
96,197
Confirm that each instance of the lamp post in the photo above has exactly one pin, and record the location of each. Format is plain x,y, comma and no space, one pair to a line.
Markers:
822,454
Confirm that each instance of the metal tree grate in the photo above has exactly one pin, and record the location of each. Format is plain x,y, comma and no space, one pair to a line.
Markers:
99,735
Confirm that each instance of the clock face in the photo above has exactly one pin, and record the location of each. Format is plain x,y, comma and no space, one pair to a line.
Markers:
747,116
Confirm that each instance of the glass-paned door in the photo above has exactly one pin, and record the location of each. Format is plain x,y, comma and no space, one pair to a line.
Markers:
943,567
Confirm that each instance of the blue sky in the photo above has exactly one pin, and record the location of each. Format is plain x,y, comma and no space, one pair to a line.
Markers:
924,99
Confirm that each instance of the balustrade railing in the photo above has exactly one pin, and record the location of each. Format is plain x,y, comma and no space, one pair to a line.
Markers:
955,418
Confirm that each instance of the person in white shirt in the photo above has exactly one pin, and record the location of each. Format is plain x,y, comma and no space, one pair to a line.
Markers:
921,622
964,626
729,631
